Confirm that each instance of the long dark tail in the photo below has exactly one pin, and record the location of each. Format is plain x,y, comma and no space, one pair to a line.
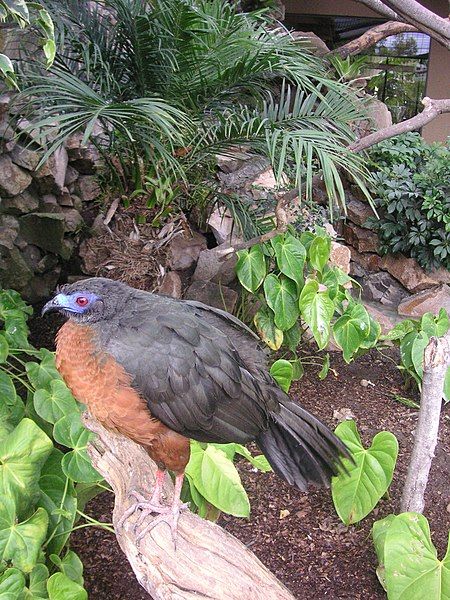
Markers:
300,448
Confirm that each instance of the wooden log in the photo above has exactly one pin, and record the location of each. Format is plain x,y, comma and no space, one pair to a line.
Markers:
208,563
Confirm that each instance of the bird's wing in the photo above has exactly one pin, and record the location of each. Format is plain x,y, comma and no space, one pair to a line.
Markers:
225,316
192,377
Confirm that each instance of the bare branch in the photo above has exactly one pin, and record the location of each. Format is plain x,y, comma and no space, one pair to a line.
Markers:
371,37
208,562
381,8
435,363
433,108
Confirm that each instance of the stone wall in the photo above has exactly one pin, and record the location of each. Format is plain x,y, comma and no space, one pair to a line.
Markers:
42,208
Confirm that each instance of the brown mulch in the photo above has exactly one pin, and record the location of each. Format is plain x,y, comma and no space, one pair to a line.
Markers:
309,549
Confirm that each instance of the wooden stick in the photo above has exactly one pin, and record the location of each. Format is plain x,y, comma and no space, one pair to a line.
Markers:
435,363
208,563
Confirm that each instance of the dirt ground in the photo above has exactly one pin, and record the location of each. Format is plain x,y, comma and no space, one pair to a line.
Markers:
309,550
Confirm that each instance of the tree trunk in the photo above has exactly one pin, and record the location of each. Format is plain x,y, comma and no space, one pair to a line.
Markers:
208,563
435,363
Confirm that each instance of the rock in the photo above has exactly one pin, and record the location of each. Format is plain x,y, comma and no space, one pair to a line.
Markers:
315,44
233,160
382,287
364,240
410,273
90,255
49,204
14,271
210,267
379,117
340,256
243,177
171,285
25,157
49,261
5,100
213,294
8,237
50,177
65,199
223,226
45,230
369,262
266,180
32,256
87,188
86,160
358,212
73,221
431,300
23,203
185,250
13,180
41,287
386,318
71,176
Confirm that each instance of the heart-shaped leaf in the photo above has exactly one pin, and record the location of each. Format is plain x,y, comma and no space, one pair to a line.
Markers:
60,587
292,337
4,349
282,371
267,330
76,464
317,310
54,403
12,584
355,494
319,252
37,588
8,393
22,454
217,480
412,569
419,344
43,373
251,268
351,329
291,255
20,542
281,296
379,530
70,565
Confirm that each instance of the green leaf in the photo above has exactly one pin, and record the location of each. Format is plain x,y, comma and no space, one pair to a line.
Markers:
379,530
374,334
282,371
260,462
419,344
317,310
12,584
55,403
7,72
266,328
292,337
281,296
298,370
76,464
4,349
413,571
351,329
43,373
22,454
20,542
8,393
319,252
355,494
251,268
447,386
59,500
291,255
400,330
325,367
428,324
442,323
60,587
37,588
70,565
217,480
406,345
10,416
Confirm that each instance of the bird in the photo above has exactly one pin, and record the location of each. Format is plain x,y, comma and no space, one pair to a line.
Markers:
162,371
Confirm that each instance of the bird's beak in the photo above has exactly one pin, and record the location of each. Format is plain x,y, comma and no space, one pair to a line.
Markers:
53,304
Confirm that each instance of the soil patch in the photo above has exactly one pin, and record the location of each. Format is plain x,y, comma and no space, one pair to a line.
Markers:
308,549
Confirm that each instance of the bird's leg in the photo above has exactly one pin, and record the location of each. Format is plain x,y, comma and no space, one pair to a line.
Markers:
167,514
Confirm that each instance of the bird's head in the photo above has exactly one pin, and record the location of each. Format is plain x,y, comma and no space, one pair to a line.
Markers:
89,300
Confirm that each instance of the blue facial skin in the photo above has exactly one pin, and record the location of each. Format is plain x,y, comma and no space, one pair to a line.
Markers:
69,302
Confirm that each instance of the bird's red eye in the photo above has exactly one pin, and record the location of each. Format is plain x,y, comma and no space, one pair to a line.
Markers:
82,301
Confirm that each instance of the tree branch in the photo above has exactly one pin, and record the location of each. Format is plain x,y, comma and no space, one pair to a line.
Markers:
435,363
208,562
381,8
371,37
432,109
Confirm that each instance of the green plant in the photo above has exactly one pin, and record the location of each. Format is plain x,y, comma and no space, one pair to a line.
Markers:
26,14
42,489
301,295
412,189
174,82
412,336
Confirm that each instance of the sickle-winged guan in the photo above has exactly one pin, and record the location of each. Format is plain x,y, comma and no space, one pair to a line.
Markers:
161,371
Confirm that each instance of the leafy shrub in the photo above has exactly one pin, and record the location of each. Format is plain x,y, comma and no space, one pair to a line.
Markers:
299,292
412,188
412,336
42,489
